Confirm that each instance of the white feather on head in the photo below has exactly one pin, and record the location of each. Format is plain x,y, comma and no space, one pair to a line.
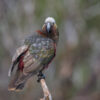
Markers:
50,19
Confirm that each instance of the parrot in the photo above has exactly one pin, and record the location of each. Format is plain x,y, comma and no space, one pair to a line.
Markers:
34,55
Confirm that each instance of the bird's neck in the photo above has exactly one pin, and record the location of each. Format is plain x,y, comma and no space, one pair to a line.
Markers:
41,33
44,34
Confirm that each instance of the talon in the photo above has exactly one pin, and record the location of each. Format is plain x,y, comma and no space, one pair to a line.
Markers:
40,76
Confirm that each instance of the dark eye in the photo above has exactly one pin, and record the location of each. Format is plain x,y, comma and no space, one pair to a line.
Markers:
53,23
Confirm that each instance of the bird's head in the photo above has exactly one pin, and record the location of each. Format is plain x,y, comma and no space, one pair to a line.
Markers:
50,29
49,25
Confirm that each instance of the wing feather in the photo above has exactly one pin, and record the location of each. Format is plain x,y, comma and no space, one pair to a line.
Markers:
19,52
35,61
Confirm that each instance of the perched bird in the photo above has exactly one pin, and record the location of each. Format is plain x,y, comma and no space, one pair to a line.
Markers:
34,55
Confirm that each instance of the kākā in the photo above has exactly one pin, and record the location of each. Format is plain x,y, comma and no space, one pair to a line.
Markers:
34,55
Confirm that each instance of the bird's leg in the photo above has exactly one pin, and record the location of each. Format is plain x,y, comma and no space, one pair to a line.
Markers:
40,76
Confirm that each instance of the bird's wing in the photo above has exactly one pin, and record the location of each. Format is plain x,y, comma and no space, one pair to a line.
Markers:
38,56
19,52
34,57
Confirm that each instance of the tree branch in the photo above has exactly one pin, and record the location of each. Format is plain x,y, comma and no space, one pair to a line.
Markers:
47,94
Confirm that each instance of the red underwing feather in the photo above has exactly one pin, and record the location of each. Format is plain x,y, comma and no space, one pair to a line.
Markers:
21,64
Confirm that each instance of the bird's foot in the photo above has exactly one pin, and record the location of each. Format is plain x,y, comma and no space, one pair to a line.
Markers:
40,76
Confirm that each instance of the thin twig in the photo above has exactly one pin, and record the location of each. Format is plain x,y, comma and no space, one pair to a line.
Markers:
47,94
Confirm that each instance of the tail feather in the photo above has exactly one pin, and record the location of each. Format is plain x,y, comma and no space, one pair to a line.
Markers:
16,88
18,81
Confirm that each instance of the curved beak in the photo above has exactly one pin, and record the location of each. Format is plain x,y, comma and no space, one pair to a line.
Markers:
48,27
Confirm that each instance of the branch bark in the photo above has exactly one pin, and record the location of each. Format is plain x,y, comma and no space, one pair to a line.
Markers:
47,94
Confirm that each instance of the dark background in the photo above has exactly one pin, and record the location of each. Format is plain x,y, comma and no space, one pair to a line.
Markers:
75,72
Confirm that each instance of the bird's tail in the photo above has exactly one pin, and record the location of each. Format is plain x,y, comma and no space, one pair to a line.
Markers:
18,81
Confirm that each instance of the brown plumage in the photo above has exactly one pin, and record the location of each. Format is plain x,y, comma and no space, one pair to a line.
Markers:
36,53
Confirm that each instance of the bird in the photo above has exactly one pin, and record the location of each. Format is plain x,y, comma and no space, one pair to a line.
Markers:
34,55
